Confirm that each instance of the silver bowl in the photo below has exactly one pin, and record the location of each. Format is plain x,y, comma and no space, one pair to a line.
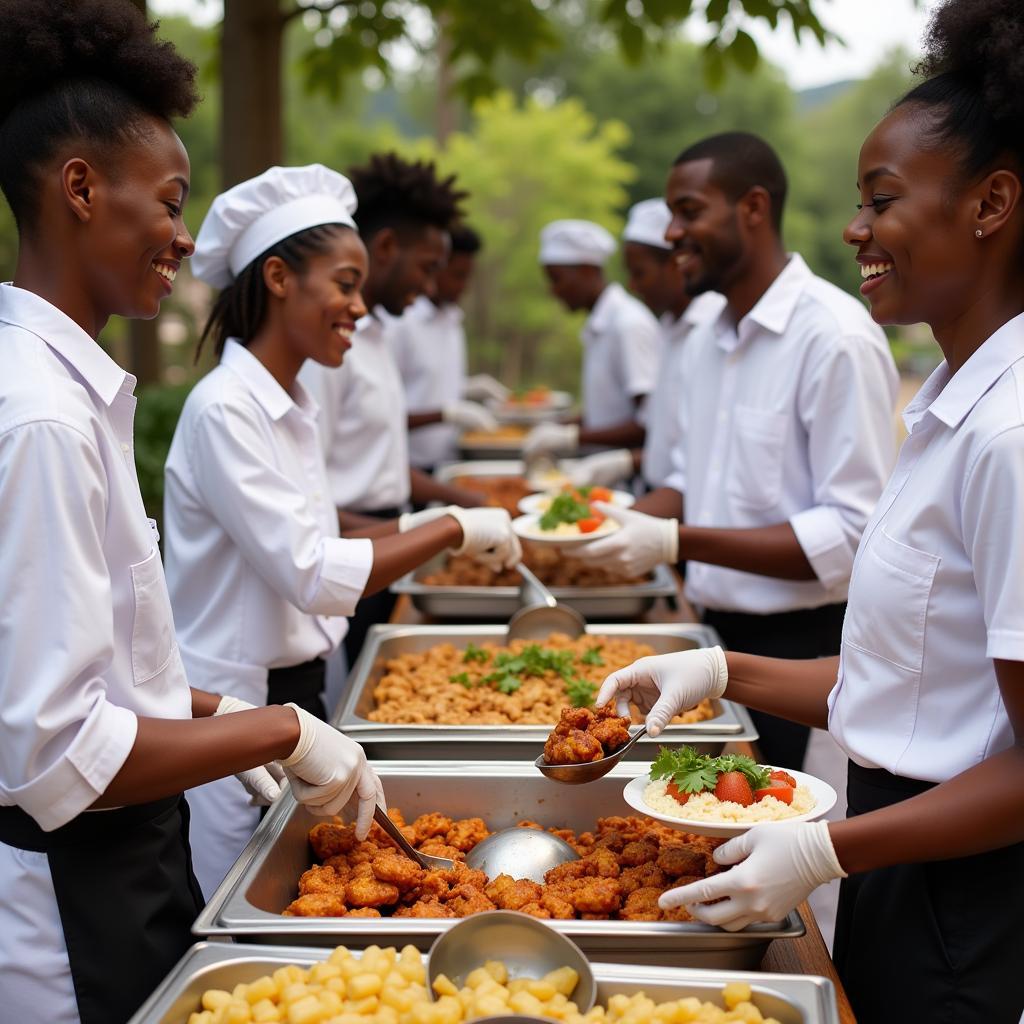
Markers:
526,945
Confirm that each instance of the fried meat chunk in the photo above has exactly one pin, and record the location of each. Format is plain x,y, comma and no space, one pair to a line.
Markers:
643,876
642,905
576,747
640,851
425,908
329,838
317,904
427,826
677,859
363,853
365,912
369,892
466,833
397,869
321,878
597,896
468,899
509,893
437,847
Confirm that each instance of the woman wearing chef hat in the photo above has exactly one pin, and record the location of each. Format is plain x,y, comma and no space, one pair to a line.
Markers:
260,580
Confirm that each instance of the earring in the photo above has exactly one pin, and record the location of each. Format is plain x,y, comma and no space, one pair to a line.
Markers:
977,233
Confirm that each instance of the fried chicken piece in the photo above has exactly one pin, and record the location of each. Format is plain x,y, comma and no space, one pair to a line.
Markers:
365,912
396,816
678,860
425,908
363,853
397,869
675,914
640,851
630,828
643,876
611,731
362,870
462,875
570,871
368,892
565,834
536,910
508,893
329,838
577,747
583,843
434,884
558,908
437,847
340,864
468,899
317,904
426,826
603,863
526,823
574,718
612,840
466,833
320,878
597,896
641,905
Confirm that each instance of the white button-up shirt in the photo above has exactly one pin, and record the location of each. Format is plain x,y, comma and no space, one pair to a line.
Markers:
938,583
429,346
620,358
662,414
363,421
258,576
787,417
86,637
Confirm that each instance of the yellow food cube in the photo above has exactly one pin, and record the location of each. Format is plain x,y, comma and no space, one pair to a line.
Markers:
477,978
364,1007
736,992
497,970
265,1012
523,1002
294,992
489,1006
238,1011
336,985
323,972
386,1015
306,1011
398,999
362,985
260,989
565,980
395,979
339,955
205,1017
543,990
215,998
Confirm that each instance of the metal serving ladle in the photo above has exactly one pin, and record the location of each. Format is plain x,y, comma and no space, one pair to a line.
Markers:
541,615
588,771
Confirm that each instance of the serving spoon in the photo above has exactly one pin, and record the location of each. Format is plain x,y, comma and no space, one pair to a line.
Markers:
541,615
586,771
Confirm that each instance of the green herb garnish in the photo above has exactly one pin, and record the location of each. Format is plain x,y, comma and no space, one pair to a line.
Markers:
565,509
462,678
474,653
592,657
580,692
695,773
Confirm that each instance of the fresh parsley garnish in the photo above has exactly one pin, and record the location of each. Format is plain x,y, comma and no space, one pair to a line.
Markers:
695,773
462,678
565,508
592,657
580,692
474,653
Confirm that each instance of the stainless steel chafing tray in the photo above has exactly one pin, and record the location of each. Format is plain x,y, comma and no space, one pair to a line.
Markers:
499,466
509,448
264,880
511,742
790,998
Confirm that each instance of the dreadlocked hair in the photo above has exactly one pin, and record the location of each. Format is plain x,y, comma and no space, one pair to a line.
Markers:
87,71
402,195
974,63
241,308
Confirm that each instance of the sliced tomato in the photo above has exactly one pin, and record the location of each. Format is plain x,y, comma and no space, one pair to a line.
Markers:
600,494
676,793
589,525
782,776
779,790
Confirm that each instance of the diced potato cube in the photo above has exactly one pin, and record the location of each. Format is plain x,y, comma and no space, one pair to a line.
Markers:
443,986
497,970
339,955
543,990
238,1011
265,1012
306,1011
362,985
205,1017
524,1003
736,992
399,999
322,972
565,980
215,998
489,1006
336,985
294,992
477,978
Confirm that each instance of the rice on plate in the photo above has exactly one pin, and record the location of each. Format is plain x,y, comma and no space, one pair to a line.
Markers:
707,807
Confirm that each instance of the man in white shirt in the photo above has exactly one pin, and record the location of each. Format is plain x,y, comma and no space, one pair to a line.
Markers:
786,420
620,342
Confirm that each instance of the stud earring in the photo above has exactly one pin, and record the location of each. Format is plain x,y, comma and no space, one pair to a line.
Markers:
977,233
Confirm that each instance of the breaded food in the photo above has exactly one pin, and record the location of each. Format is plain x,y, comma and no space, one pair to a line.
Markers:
426,826
425,908
329,838
640,851
397,869
318,904
597,896
466,833
677,859
581,735
642,905
577,747
321,878
643,876
508,893
370,892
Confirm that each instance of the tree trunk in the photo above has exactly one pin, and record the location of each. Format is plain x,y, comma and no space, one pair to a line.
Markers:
251,135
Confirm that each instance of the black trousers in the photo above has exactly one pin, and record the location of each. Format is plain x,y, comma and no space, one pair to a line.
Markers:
299,684
126,894
370,610
807,633
938,942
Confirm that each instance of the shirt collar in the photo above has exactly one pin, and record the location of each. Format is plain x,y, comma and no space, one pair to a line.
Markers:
602,311
276,402
773,310
33,313
950,398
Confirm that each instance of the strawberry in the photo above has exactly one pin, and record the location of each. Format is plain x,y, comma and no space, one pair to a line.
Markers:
676,793
780,776
777,789
734,786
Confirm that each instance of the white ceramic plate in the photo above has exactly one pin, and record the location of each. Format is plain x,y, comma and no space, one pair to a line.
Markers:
824,797
540,503
527,527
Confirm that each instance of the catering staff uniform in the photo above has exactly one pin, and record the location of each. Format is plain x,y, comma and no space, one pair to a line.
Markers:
620,358
98,903
259,580
363,430
786,417
937,592
429,346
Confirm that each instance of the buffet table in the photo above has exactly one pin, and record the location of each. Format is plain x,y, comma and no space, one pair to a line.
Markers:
806,955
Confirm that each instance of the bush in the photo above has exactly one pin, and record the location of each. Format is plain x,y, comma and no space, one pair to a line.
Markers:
155,419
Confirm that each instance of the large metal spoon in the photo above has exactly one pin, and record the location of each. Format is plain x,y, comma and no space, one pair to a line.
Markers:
424,860
541,615
587,771
521,853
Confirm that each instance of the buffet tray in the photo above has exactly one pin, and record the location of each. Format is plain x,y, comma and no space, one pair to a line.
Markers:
384,740
509,448
790,998
620,602
264,879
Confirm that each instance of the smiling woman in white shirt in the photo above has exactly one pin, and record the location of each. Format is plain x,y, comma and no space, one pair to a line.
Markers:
99,730
260,581
927,697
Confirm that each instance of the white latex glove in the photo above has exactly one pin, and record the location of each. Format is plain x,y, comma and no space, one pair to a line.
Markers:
326,769
262,783
487,535
602,469
469,416
482,386
410,520
778,866
547,438
665,685
640,544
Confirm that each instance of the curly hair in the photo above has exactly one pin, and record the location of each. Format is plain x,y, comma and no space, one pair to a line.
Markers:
399,194
465,239
974,63
87,70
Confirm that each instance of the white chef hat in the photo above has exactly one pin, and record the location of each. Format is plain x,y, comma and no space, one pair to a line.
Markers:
647,223
575,242
248,219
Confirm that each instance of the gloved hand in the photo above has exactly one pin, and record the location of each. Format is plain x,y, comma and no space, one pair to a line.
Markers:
642,542
778,867
487,535
602,469
410,520
262,783
482,386
325,769
548,438
469,416
665,685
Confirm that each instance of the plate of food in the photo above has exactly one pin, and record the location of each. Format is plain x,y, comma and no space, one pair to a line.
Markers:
538,399
569,520
724,796
540,503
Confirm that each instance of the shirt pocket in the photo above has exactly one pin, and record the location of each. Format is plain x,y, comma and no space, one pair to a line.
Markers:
758,438
889,596
153,639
